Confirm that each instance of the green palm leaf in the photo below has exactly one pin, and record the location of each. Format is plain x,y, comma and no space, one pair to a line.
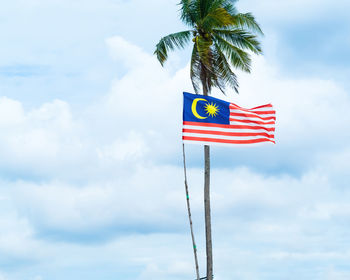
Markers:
224,68
188,12
195,72
238,58
217,18
203,48
240,38
170,42
247,21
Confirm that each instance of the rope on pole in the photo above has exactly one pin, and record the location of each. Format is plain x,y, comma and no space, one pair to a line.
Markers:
189,215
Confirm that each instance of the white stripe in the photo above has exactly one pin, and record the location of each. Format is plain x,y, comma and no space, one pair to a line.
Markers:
252,124
206,128
212,136
264,105
251,118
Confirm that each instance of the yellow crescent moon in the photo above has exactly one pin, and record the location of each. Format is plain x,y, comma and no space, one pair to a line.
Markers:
194,108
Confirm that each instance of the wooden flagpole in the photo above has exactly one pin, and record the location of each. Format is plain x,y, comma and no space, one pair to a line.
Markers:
189,214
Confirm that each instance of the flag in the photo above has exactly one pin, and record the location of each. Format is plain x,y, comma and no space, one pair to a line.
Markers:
211,121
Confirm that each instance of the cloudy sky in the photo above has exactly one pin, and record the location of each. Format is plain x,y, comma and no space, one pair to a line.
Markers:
91,182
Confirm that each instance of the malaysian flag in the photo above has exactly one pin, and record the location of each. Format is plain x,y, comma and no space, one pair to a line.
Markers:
211,121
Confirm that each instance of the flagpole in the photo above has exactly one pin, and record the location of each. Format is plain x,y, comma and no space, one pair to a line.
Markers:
189,214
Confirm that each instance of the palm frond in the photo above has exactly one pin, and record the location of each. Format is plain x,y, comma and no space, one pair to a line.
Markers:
218,18
205,6
169,43
209,76
240,38
247,21
201,73
226,75
238,57
188,12
203,48
229,7
195,70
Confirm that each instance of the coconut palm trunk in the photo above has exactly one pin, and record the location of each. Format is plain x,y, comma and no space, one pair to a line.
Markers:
209,246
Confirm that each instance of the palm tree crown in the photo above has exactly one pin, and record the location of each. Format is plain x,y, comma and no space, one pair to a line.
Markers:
222,39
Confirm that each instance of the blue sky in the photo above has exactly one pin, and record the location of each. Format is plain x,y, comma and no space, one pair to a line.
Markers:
91,182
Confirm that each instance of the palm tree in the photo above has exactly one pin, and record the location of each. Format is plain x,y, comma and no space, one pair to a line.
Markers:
222,39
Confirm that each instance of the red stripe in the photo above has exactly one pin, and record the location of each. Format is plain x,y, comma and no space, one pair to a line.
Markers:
251,115
262,106
264,112
253,141
227,133
255,112
228,126
251,121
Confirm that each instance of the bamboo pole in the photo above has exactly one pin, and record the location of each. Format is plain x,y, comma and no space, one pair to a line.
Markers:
189,214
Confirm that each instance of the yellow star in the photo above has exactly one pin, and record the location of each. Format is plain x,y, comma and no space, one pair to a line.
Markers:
211,109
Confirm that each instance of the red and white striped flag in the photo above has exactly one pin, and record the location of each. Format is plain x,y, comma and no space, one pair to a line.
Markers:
211,121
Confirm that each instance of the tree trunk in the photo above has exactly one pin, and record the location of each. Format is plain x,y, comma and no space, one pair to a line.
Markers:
209,247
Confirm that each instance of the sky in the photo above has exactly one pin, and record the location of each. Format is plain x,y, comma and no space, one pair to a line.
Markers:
91,176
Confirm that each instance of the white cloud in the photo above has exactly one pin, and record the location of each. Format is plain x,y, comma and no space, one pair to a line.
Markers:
114,171
131,148
292,11
100,190
138,124
39,140
336,274
133,202
11,112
